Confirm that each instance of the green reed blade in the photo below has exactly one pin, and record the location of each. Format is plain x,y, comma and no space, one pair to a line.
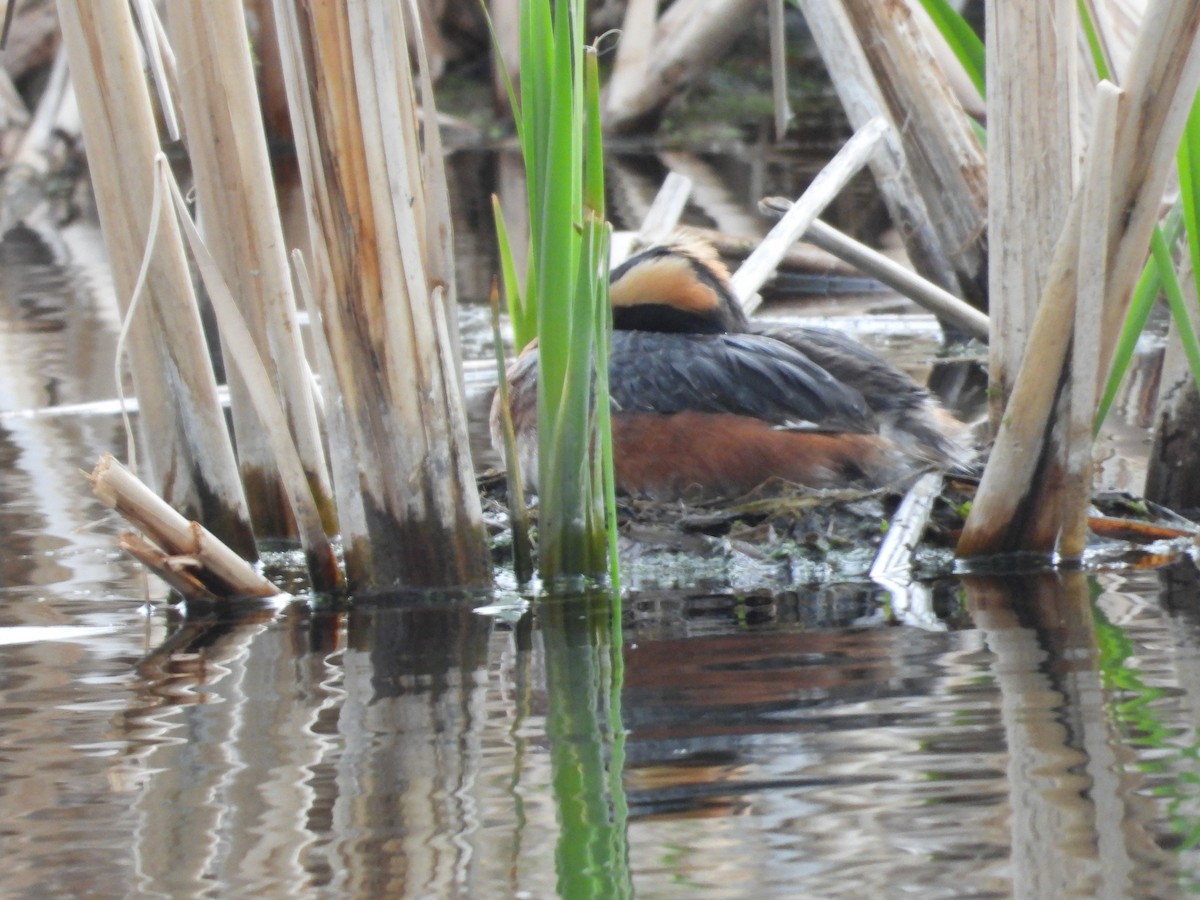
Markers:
586,745
1156,278
1174,293
963,41
523,320
1144,294
1099,56
567,283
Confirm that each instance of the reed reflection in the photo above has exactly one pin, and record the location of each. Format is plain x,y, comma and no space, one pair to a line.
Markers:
354,752
1078,811
581,638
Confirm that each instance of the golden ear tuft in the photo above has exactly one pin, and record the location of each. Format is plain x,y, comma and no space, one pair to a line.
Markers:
669,279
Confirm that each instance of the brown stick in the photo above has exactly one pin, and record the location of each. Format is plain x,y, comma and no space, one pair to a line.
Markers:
219,569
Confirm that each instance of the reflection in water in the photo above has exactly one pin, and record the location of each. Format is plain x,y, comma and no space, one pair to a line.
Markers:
581,644
419,749
847,760
55,347
1081,821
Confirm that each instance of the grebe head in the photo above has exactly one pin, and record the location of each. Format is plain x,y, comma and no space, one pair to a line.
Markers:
680,287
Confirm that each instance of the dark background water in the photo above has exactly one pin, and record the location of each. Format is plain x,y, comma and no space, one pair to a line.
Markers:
785,735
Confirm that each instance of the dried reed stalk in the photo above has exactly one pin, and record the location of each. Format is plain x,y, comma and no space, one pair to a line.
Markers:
932,174
1019,503
186,546
948,308
239,217
188,455
260,392
358,143
779,94
760,265
947,161
1033,152
1085,346
689,36
342,451
804,258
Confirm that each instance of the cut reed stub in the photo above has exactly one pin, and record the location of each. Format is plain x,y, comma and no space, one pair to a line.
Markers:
182,552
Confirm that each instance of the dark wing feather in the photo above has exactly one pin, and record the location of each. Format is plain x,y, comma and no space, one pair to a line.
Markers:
906,411
886,388
742,374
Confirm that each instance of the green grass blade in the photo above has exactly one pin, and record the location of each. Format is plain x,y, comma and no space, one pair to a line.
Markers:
593,198
963,41
1174,294
1144,294
566,286
1188,164
1155,279
524,324
1099,57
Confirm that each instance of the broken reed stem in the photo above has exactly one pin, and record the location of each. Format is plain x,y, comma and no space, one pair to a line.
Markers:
239,214
358,144
912,199
687,37
894,559
321,561
1086,350
1008,514
941,303
221,570
821,191
177,572
1032,103
941,150
802,258
186,444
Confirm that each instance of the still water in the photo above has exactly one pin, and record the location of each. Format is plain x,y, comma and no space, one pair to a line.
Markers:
783,736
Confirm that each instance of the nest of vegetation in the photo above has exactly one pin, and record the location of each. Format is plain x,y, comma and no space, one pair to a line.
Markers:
789,534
